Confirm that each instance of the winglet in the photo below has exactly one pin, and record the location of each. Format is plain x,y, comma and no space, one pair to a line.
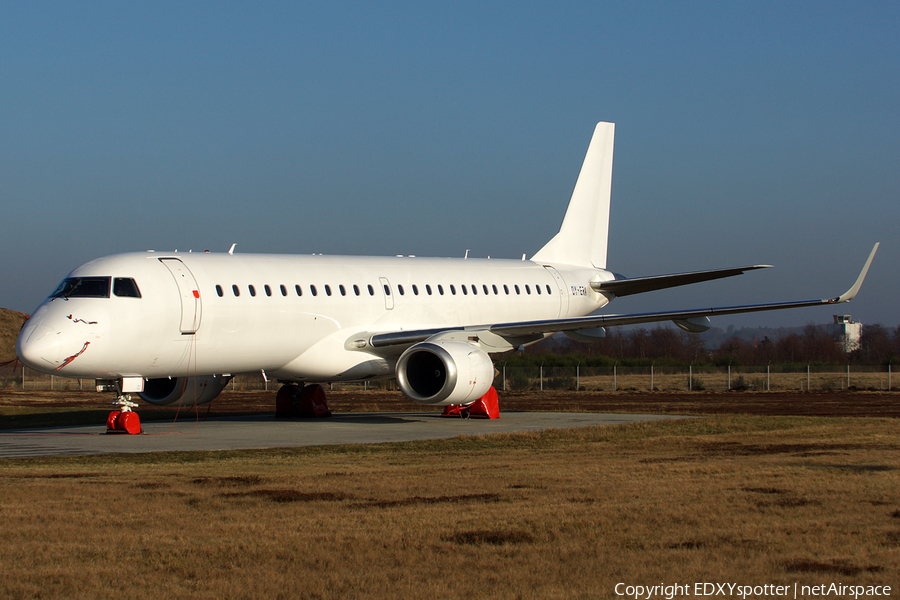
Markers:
851,293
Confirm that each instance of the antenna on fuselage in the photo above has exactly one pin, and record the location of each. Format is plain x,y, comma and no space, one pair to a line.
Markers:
231,250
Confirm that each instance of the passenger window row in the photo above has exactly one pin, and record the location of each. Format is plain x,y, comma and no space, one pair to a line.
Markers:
473,289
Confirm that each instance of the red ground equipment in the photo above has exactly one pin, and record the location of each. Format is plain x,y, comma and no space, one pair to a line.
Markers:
487,407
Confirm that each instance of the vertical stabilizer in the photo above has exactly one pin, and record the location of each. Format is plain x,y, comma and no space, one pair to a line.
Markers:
585,228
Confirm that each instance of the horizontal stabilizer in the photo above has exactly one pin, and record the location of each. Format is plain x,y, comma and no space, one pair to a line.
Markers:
554,325
639,285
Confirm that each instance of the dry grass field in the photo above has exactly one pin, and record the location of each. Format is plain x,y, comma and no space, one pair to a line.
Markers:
10,323
561,514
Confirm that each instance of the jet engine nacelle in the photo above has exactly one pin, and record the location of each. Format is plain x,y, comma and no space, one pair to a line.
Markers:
444,372
183,391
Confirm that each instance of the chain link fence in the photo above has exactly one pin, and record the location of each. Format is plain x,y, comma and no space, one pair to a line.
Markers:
698,379
623,379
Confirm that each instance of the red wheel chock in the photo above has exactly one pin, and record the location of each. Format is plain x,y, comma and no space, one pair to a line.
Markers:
486,407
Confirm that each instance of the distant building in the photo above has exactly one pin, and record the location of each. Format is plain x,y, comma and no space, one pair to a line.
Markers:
847,332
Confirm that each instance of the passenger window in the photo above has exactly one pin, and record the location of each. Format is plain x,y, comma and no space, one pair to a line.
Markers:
400,289
440,289
342,290
387,290
428,288
484,287
465,293
356,289
312,289
415,290
125,287
494,287
283,290
548,289
235,290
452,289
506,289
327,290
537,288
527,289
268,290
252,290
516,287
298,289
371,289
219,290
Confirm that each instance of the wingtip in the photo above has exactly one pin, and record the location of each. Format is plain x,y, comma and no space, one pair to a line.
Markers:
851,293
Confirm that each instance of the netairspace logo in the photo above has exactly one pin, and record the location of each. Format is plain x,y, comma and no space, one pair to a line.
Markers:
670,591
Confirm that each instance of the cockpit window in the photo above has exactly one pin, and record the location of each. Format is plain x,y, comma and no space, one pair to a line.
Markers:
125,287
83,287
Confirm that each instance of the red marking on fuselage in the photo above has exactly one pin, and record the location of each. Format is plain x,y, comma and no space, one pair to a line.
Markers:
74,356
82,321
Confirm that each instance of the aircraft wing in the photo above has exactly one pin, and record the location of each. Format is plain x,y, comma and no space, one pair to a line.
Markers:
514,332
638,285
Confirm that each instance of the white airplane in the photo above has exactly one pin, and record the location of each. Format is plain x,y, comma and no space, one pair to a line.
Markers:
174,327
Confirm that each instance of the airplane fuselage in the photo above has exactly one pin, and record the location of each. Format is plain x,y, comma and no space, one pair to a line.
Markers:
295,317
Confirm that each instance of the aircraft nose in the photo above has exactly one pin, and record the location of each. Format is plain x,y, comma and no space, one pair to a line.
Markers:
39,347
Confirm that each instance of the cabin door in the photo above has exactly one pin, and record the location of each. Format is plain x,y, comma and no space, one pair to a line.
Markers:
563,293
190,294
386,289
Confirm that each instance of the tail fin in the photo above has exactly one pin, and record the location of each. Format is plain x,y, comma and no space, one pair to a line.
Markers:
582,238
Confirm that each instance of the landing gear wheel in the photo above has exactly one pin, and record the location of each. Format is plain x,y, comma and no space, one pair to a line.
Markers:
309,401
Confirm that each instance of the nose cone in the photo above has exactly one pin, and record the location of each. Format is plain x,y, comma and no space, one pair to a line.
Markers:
39,346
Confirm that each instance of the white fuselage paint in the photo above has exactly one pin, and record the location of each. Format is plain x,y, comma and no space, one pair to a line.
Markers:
182,326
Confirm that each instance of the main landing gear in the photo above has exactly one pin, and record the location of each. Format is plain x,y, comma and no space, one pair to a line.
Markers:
309,401
295,401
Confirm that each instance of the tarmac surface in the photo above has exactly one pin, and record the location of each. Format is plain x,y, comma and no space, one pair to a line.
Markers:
264,431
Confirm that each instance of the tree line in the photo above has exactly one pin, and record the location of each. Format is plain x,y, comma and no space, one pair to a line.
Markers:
665,345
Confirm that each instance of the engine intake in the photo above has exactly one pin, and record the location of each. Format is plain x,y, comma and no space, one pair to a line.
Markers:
443,372
183,391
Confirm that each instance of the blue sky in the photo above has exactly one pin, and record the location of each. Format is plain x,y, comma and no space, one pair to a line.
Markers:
746,133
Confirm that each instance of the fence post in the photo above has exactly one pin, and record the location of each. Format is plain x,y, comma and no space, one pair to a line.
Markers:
768,377
691,377
651,375
807,377
577,376
848,377
729,377
615,366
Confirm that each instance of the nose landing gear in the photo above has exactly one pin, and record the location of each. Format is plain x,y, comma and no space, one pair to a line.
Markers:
124,420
